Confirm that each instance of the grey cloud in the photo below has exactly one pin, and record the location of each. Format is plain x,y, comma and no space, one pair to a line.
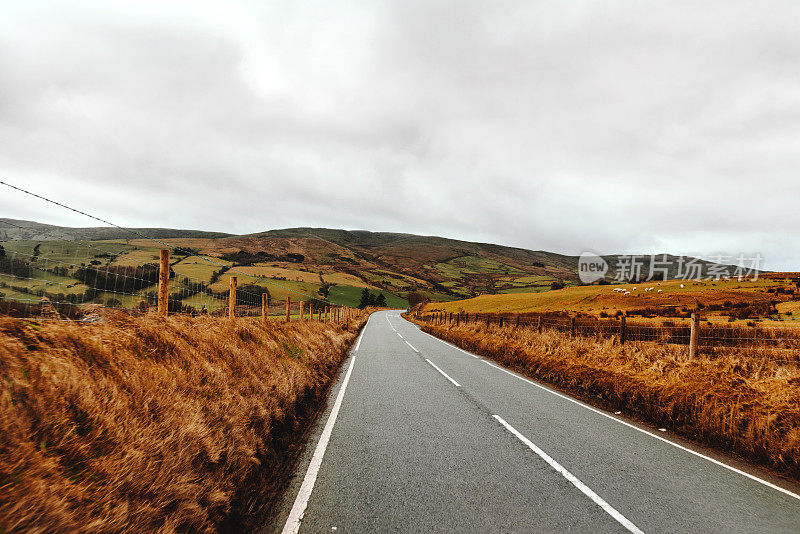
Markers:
612,126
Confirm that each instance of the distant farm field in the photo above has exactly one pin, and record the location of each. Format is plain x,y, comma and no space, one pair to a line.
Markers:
774,297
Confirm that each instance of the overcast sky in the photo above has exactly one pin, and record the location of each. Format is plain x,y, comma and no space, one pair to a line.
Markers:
610,126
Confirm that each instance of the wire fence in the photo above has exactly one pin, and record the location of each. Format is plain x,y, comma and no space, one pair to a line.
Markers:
75,279
778,343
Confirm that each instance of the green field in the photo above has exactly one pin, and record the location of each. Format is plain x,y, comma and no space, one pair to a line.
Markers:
351,296
464,265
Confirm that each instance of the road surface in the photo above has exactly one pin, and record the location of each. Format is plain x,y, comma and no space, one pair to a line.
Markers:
420,436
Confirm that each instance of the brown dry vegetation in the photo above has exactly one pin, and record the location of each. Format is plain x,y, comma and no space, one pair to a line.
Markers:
744,403
154,425
721,298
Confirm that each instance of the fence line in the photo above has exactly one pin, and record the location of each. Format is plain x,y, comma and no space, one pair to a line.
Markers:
33,284
693,333
137,233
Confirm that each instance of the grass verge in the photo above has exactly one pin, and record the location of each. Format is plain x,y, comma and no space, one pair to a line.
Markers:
155,425
744,403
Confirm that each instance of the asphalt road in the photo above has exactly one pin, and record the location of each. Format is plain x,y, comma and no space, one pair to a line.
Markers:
420,436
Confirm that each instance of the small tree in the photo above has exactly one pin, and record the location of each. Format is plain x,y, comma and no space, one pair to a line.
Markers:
365,299
380,301
416,297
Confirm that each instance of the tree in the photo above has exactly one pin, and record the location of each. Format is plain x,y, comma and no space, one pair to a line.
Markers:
365,299
324,290
2,252
416,297
380,301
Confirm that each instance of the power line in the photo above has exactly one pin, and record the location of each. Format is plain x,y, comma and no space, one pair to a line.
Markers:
176,248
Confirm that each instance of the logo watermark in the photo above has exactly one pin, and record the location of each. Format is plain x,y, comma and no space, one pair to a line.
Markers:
591,267
641,267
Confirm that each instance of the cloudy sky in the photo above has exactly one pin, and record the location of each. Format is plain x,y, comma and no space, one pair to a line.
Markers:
635,126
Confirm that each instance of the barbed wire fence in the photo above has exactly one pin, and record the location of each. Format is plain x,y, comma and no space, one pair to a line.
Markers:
74,279
778,343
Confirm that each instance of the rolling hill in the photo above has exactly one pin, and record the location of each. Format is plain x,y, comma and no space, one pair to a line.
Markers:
315,260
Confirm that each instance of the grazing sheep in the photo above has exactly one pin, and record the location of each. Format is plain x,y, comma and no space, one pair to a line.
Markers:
660,290
682,286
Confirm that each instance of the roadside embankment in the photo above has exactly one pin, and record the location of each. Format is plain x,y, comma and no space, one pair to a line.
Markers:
155,425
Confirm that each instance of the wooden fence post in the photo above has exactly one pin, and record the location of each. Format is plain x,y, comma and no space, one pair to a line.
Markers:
539,327
694,334
623,331
302,306
500,321
288,308
163,283
264,308
327,314
572,328
488,317
232,298
517,325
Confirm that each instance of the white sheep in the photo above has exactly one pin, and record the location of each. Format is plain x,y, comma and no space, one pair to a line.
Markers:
660,290
682,286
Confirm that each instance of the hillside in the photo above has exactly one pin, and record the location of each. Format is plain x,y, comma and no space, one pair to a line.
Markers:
300,262
34,231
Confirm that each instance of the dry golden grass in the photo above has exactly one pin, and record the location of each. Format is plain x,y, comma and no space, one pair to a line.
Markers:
153,425
594,299
744,403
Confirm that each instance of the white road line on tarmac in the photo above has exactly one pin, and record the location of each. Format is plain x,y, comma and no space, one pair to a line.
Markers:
412,346
586,490
454,347
298,509
358,343
679,446
456,384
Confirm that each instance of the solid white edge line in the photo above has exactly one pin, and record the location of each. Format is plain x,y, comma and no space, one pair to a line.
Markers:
643,431
586,490
292,525
358,342
456,384
454,347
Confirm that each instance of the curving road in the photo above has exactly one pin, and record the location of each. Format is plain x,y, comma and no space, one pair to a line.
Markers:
421,436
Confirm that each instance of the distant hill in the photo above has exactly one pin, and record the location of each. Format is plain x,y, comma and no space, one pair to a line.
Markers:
33,231
398,263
